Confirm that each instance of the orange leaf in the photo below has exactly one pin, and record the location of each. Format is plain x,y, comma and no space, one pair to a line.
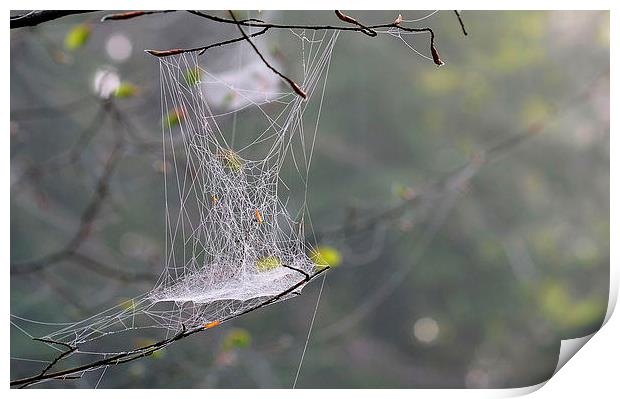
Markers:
211,325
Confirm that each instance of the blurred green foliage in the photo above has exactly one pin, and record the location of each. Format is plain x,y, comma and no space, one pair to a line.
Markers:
237,338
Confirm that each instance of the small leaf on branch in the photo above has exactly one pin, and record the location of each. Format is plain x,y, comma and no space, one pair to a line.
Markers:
435,54
298,89
325,255
211,325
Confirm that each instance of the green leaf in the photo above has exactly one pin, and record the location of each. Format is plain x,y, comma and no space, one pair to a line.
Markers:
232,161
324,255
237,338
77,37
173,118
268,263
192,76
125,90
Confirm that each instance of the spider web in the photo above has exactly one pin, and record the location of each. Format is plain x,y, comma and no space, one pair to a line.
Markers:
237,153
234,231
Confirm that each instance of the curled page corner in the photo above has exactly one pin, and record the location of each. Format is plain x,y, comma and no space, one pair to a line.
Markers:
568,349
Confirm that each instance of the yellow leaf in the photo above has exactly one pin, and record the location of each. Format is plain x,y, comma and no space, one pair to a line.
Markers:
324,255
268,263
77,36
231,160
126,89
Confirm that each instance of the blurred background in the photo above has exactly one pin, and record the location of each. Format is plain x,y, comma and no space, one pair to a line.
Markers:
465,208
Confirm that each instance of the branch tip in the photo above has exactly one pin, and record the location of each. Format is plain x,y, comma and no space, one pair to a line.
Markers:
298,90
436,59
164,53
363,28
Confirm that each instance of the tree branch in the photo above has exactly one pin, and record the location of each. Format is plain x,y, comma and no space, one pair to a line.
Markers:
134,354
288,80
36,17
131,14
458,15
202,49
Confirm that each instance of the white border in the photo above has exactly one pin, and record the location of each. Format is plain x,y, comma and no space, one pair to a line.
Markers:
592,370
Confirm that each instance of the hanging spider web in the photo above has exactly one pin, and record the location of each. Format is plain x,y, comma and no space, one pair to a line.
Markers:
234,220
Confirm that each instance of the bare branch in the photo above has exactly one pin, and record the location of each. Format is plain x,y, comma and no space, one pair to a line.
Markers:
458,15
166,53
36,17
288,80
131,14
358,28
147,350
351,20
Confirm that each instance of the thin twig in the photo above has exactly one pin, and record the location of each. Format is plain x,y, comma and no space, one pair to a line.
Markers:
298,271
131,14
458,15
288,80
345,18
202,49
358,28
36,17
70,349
